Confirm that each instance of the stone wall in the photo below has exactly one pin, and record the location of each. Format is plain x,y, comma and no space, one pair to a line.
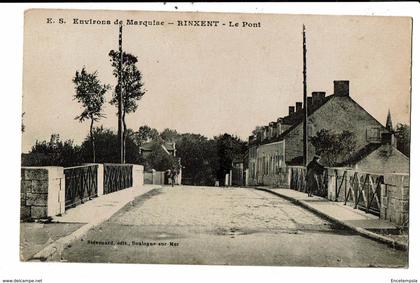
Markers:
395,195
42,192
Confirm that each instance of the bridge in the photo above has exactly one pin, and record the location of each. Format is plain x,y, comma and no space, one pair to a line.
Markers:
351,223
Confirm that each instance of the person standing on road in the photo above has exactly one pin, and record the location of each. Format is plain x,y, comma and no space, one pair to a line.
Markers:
314,171
173,176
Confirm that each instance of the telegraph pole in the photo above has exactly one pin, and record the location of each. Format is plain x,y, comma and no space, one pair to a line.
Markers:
305,105
120,104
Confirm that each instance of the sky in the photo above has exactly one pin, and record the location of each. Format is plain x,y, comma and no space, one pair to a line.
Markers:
212,80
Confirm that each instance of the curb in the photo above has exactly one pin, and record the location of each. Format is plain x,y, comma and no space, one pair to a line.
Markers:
361,231
59,245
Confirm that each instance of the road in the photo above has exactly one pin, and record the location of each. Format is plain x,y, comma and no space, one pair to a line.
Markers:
225,226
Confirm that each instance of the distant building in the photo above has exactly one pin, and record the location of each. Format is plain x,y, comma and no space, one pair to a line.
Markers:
147,148
155,177
281,142
239,163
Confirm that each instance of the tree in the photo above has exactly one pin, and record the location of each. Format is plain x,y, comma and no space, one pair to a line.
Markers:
54,152
333,147
169,135
90,93
131,85
159,159
199,159
145,134
228,147
402,134
107,147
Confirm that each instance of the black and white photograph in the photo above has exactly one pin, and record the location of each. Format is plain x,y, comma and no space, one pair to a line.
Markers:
216,139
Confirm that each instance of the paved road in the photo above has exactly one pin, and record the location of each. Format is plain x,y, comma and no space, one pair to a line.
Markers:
234,226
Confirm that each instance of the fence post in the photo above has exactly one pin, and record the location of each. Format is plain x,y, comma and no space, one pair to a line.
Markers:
384,202
246,177
346,182
138,175
289,177
179,177
100,179
332,184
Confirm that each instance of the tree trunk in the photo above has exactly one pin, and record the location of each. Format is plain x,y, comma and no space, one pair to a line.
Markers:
93,141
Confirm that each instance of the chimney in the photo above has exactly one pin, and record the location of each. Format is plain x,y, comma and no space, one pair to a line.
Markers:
309,101
291,110
265,136
278,128
317,98
387,141
271,129
341,88
259,136
298,106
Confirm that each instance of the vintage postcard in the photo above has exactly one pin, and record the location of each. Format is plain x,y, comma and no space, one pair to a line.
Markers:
215,138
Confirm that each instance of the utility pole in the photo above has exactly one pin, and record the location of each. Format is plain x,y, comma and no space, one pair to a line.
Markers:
120,104
305,105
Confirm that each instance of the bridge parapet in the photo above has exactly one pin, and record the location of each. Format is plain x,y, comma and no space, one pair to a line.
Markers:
48,191
385,195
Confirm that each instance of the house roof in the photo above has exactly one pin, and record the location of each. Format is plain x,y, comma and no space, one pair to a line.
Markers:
149,145
361,154
368,150
296,119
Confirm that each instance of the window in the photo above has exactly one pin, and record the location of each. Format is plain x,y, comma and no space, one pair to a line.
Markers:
373,134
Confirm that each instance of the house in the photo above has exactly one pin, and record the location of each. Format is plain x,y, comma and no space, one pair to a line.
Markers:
280,143
160,177
168,147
